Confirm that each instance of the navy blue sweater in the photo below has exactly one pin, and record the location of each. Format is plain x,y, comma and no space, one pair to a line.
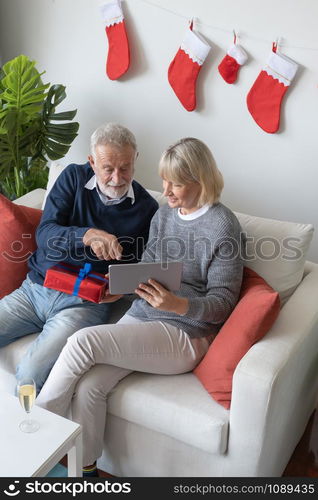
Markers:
71,209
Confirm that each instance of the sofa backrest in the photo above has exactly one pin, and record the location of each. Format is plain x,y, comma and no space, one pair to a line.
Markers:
275,249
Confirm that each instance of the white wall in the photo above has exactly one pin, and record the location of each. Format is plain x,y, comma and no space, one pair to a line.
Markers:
271,175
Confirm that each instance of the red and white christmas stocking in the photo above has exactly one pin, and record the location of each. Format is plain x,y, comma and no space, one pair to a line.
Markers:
231,63
118,57
266,95
185,67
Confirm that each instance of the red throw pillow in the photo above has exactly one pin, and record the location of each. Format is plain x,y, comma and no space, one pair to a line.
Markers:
254,314
17,242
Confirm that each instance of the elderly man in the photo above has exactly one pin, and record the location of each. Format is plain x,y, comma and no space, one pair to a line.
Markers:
95,213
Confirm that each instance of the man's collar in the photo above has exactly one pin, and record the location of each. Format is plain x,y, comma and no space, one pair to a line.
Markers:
92,184
130,193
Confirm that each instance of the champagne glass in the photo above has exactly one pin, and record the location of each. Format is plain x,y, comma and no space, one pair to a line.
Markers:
27,393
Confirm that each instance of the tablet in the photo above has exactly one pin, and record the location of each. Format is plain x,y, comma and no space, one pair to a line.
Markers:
125,278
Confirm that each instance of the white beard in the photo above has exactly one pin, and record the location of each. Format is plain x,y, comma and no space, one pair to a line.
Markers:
111,192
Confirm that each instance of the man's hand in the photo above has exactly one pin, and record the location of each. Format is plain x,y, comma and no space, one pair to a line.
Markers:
107,297
105,246
160,298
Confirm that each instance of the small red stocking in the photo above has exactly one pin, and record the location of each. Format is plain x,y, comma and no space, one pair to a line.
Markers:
185,67
118,48
231,63
265,97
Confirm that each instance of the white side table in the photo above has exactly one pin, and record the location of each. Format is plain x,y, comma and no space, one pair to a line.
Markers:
35,454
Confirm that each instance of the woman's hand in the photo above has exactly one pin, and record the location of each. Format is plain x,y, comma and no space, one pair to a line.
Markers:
160,298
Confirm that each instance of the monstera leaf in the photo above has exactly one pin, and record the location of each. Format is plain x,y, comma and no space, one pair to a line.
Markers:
31,131
56,138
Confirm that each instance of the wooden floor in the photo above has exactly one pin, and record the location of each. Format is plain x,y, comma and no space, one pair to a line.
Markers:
304,461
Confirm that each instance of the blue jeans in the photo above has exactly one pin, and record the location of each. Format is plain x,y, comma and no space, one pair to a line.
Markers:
54,315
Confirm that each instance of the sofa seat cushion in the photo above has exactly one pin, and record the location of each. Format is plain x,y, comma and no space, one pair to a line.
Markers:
157,402
161,403
10,356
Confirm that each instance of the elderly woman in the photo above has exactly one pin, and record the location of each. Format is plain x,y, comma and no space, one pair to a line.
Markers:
162,332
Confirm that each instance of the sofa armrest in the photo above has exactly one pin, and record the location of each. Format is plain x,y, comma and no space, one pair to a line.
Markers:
275,384
33,199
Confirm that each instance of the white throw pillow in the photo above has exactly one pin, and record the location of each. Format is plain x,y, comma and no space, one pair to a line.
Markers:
158,197
54,172
277,251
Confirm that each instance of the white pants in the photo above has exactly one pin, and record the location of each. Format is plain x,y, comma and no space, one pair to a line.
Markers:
96,358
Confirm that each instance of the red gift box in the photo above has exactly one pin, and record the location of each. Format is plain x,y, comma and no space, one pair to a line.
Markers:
76,280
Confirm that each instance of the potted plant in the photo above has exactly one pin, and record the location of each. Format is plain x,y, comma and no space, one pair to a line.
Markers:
31,132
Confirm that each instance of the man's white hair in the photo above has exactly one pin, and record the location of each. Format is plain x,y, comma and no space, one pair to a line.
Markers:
114,134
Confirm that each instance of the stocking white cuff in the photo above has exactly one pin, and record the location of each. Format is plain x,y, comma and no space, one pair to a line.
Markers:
196,48
112,13
238,53
281,68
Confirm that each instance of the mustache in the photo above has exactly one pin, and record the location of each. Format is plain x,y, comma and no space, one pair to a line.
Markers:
110,184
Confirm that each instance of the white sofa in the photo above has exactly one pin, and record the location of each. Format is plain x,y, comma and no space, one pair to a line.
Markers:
170,426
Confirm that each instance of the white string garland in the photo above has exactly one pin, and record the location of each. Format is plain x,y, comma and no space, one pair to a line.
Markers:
199,23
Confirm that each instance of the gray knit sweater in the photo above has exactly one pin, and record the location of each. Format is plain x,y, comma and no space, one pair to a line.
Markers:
210,248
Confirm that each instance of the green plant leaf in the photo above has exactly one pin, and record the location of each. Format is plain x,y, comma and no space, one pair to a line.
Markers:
56,94
58,147
15,93
31,131
73,126
66,115
56,138
51,153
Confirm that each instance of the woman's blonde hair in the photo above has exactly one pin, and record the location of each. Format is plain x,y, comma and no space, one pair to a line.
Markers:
190,160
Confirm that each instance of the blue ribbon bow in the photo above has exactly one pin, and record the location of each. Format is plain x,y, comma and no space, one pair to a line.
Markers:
83,273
